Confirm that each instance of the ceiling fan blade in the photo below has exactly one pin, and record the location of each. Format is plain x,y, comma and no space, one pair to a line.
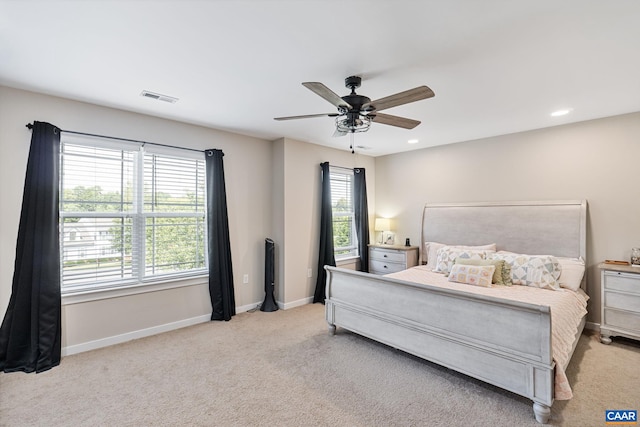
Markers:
401,122
308,116
411,95
323,91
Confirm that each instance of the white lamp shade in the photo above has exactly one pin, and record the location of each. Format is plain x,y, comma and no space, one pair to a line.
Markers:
382,224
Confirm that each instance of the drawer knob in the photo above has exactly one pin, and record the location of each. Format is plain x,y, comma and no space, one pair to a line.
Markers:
385,266
385,255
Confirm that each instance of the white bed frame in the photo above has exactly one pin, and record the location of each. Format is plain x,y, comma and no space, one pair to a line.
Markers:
504,343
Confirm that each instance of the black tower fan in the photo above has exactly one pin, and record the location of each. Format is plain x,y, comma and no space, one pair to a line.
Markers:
269,303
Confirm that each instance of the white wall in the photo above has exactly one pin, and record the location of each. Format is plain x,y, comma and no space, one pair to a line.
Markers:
273,190
595,160
247,163
298,206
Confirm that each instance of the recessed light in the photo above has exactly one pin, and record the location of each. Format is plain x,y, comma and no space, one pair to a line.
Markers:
413,141
563,112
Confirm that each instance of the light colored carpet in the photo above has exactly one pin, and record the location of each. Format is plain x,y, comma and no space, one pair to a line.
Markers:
283,369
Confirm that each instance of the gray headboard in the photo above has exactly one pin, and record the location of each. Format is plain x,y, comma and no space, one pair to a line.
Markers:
541,227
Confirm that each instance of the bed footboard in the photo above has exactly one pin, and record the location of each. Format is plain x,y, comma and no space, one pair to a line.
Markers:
501,342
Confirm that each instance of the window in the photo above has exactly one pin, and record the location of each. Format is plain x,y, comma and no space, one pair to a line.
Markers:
129,214
345,243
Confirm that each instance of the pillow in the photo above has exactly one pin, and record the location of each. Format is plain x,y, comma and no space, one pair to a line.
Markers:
540,271
572,272
479,275
499,275
431,251
447,257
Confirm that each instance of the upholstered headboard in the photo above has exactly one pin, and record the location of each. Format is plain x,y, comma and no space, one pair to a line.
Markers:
541,227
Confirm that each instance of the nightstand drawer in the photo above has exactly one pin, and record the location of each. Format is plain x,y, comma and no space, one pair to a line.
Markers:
622,282
622,301
381,267
387,255
622,319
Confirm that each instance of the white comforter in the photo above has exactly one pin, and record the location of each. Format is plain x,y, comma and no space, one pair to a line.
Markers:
567,310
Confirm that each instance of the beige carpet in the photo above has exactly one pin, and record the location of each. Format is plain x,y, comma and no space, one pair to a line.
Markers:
283,369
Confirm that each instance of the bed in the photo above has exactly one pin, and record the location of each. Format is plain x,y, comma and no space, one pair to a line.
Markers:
500,340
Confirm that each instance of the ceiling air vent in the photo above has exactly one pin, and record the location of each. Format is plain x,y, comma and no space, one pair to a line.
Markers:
159,97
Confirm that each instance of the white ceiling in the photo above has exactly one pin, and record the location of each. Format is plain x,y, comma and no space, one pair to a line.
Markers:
496,67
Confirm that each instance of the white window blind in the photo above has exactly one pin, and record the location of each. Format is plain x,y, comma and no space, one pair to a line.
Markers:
345,244
129,215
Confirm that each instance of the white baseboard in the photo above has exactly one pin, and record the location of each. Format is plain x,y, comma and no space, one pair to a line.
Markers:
297,303
592,326
247,307
118,339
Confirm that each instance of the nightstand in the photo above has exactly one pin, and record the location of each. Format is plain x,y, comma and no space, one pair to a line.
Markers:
620,315
384,259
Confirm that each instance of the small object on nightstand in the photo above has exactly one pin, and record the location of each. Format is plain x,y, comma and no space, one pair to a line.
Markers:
620,296
616,262
635,257
407,242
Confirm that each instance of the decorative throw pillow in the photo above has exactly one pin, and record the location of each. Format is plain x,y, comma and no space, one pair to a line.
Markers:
507,279
498,263
447,257
431,251
572,273
479,275
540,271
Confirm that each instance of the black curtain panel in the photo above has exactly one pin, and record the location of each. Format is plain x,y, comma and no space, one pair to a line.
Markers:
361,213
223,302
325,255
30,335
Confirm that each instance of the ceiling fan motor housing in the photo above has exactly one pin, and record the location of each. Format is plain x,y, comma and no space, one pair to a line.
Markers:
353,82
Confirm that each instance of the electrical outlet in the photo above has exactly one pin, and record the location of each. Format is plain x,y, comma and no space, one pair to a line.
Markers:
245,278
309,272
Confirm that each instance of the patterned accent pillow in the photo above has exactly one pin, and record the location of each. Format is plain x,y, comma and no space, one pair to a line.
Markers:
539,271
479,275
447,257
431,251
498,275
507,278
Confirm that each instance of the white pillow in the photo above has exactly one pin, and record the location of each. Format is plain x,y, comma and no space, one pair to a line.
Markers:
479,275
572,272
447,257
539,271
431,251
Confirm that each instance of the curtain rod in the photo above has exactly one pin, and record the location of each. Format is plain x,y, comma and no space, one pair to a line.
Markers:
30,126
342,167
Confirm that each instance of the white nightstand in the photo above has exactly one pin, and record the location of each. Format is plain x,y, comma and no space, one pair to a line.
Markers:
620,314
384,259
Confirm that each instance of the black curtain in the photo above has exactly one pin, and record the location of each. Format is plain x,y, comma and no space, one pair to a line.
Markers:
361,213
30,335
220,270
325,255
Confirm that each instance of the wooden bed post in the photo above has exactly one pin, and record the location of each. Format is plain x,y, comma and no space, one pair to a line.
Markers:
542,412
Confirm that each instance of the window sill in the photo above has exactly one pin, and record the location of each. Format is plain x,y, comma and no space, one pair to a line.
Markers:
347,260
77,297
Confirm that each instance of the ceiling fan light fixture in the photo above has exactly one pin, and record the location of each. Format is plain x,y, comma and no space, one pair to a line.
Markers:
347,124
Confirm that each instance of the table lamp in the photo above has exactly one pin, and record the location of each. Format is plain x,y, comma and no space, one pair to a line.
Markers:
382,225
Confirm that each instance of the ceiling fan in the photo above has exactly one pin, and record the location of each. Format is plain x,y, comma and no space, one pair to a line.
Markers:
356,112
